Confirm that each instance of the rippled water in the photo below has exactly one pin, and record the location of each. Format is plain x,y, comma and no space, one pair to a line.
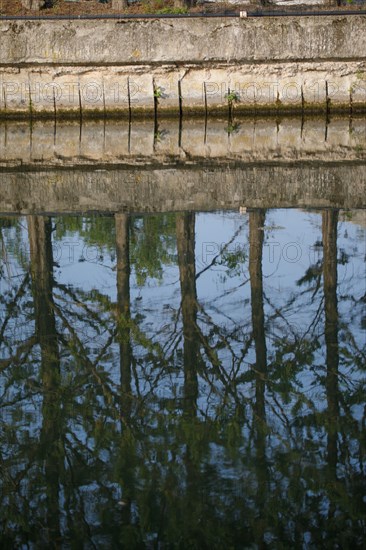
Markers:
183,379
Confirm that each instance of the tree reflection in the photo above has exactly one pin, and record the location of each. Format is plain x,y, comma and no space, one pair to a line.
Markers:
41,268
138,414
256,237
187,275
123,301
256,234
329,231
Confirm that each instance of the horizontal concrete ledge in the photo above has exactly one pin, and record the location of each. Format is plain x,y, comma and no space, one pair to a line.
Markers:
160,190
191,142
198,63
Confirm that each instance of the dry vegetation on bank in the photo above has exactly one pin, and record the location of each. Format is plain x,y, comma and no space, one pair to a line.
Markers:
97,7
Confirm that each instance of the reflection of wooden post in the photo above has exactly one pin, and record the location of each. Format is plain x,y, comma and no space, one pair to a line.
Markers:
123,300
329,231
39,232
185,226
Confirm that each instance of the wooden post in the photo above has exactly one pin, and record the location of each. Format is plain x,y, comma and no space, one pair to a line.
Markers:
119,5
33,5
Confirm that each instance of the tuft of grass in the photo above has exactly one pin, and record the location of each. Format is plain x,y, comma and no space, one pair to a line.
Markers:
172,11
162,7
232,97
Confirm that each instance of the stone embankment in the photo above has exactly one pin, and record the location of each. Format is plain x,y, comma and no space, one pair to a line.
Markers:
181,66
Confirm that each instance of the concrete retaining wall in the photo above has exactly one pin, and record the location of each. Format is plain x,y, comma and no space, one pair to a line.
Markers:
132,67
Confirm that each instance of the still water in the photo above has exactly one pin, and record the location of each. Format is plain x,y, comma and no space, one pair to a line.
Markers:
183,380
192,376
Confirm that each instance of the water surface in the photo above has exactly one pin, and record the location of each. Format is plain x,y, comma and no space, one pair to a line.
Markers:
183,380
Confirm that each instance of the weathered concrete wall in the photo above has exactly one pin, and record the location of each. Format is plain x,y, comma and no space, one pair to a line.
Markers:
183,65
119,42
